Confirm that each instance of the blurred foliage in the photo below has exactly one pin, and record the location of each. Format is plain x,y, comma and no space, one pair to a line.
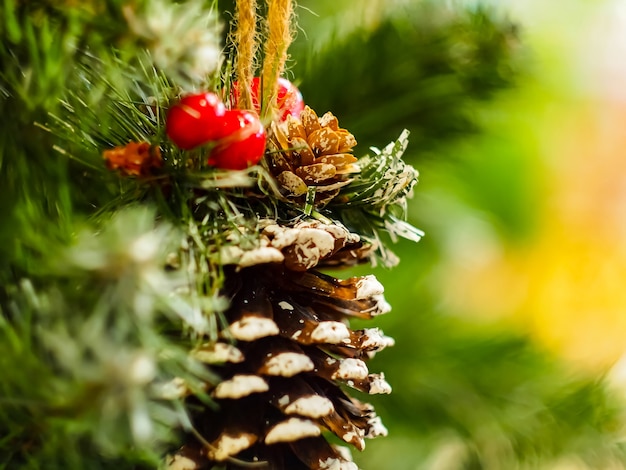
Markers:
85,315
473,395
41,43
467,394
421,66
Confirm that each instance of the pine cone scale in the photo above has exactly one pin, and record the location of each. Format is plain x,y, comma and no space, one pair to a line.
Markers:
316,173
317,454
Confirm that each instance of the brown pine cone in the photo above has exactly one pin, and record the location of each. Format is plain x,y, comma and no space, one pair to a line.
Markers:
286,354
283,380
311,152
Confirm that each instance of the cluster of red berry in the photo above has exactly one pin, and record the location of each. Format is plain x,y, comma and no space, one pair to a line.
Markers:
237,135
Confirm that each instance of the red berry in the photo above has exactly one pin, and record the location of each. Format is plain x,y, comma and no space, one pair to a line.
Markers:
288,100
195,120
243,146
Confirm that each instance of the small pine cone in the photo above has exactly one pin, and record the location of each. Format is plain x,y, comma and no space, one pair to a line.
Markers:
311,152
285,358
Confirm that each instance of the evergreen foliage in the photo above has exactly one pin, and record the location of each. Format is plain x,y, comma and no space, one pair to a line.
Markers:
420,65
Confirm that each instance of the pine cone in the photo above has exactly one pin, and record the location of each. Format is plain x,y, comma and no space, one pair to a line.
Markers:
285,357
311,152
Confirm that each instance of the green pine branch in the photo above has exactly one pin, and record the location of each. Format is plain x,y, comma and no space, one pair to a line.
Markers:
92,349
424,66
374,204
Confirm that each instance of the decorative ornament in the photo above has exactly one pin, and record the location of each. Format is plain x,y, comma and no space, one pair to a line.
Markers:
311,152
134,158
284,350
289,101
196,120
283,381
242,144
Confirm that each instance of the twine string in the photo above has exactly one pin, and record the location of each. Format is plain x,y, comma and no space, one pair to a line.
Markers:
280,36
246,46
277,42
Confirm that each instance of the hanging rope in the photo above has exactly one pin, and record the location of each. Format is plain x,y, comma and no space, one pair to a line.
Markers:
279,38
246,43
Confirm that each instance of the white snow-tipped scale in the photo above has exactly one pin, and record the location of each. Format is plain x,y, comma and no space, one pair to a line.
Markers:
375,428
250,328
227,445
336,464
378,385
330,332
351,368
218,353
381,306
314,406
368,286
287,364
240,385
292,429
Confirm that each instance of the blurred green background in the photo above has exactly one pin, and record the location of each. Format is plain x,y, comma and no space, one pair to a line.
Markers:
513,302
